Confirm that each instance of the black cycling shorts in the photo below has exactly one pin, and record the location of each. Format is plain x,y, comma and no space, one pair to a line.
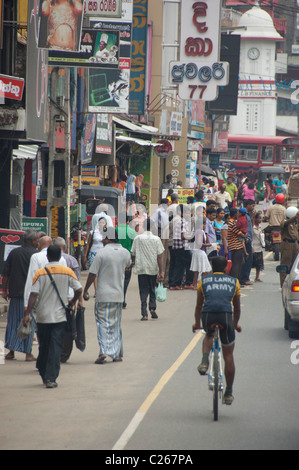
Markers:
227,333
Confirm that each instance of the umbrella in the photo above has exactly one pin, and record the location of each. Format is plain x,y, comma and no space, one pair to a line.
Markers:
206,170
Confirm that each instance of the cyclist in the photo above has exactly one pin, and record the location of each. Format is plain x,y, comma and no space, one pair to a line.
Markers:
218,302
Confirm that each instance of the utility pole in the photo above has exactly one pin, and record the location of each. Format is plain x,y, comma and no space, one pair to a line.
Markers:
59,165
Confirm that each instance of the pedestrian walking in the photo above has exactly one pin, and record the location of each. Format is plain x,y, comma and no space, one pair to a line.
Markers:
147,254
50,314
246,268
258,246
126,236
73,264
181,251
109,268
37,261
14,279
235,245
161,219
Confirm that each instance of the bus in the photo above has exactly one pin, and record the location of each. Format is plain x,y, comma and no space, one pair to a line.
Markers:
256,151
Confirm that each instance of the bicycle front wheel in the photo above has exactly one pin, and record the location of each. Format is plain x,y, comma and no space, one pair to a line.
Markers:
216,385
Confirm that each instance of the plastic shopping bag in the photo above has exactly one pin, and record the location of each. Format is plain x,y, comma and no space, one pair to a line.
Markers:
161,293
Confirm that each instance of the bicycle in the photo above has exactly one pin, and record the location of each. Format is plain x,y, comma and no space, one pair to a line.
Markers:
215,372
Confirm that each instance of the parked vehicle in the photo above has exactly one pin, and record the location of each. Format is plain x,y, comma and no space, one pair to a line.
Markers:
92,196
290,298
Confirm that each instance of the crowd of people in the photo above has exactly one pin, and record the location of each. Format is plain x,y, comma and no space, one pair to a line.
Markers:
176,245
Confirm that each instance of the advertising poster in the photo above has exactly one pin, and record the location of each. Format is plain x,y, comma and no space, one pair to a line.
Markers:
109,87
60,24
87,139
37,116
104,134
97,48
139,58
9,240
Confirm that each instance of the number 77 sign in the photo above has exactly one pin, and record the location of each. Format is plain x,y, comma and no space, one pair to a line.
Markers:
199,73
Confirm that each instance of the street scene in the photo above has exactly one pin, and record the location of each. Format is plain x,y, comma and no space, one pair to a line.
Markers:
94,405
149,227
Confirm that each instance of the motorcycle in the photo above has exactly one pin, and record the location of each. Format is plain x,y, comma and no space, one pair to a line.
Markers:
78,250
273,241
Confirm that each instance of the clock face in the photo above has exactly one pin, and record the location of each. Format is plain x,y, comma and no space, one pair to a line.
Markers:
253,53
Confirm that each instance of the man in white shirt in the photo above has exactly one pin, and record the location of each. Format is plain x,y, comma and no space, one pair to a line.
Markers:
147,252
161,220
109,268
50,313
38,261
222,197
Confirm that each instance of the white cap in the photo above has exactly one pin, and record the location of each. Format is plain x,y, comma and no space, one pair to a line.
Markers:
104,38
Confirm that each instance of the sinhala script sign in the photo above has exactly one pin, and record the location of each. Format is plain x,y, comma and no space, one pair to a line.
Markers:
101,8
199,72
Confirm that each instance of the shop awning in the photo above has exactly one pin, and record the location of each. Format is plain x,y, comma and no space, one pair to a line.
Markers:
25,152
140,128
141,142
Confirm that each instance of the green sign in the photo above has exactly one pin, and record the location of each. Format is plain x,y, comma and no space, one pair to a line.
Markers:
38,224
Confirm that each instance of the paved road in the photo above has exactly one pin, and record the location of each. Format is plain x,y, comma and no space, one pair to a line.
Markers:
155,399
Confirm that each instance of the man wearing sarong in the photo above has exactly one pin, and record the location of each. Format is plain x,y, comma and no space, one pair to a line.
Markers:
109,268
14,280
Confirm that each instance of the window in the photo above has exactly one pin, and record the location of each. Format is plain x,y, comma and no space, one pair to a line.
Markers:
288,154
267,153
231,152
248,152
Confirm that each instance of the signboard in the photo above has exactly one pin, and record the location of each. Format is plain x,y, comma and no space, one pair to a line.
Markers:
199,73
9,240
104,134
171,123
37,116
110,8
182,193
163,150
139,58
87,139
60,25
109,87
97,48
38,224
57,222
11,87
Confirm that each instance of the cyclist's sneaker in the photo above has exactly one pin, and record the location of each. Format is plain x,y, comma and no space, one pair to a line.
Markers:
203,368
228,398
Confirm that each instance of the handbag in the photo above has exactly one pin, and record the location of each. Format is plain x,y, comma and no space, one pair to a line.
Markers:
70,317
23,331
80,340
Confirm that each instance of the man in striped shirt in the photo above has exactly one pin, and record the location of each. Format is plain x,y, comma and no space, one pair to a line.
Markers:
235,245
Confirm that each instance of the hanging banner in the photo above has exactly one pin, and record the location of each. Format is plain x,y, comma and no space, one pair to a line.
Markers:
139,58
87,139
199,73
104,134
60,25
109,87
98,48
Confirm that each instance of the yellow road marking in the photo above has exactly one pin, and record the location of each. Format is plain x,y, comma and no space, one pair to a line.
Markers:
140,414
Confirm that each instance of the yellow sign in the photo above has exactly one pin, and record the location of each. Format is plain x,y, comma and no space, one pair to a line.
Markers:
88,180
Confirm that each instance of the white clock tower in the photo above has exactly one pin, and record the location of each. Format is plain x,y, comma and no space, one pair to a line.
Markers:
257,89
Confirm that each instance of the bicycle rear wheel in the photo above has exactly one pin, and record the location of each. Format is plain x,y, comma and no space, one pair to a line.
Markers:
216,385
